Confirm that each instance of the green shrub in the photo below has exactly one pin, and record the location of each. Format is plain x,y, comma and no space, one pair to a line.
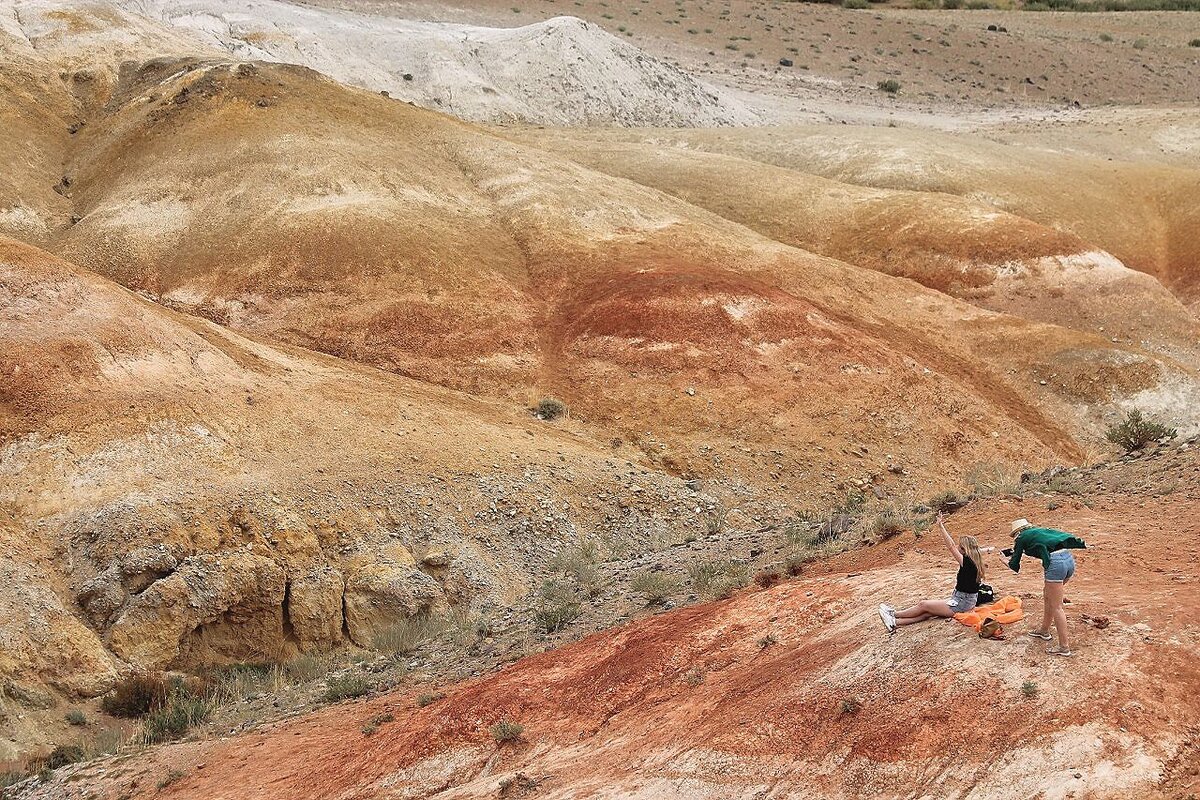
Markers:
64,754
345,687
978,5
407,634
558,607
890,86
1029,689
76,717
889,523
579,564
135,696
1135,432
1140,44
507,731
946,501
550,408
1106,37
173,719
952,4
855,4
655,586
428,699
718,579
1194,43
171,777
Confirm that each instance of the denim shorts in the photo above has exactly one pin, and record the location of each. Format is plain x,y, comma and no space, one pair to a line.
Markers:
961,602
1062,567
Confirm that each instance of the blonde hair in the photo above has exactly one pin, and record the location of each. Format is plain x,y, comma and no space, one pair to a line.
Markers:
970,549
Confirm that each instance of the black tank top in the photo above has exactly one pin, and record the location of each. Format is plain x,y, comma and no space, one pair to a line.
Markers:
968,577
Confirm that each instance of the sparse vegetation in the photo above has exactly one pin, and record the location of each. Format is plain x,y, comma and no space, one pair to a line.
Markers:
558,608
855,4
717,579
181,711
428,698
579,564
75,717
135,696
1029,689
1106,37
1135,431
946,501
64,754
889,522
507,731
655,586
409,633
1140,44
345,687
171,777
375,721
1194,43
549,408
849,705
767,641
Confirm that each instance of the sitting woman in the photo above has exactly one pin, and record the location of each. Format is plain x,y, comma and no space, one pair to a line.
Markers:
966,587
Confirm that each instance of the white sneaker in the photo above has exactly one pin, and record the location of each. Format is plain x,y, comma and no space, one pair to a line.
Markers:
888,616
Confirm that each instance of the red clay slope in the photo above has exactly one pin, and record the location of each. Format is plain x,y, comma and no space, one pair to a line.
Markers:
691,704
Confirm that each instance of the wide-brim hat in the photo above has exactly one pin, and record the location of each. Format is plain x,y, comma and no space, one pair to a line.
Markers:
1020,525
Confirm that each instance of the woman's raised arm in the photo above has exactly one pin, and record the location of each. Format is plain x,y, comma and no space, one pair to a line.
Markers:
958,556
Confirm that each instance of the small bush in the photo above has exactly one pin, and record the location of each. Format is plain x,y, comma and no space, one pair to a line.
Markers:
1029,689
345,687
407,634
173,719
428,699
889,523
304,668
1140,44
946,501
1135,432
849,705
655,586
76,717
507,731
718,579
767,641
558,607
135,696
64,754
952,4
375,721
579,564
1194,43
1106,37
855,4
549,408
172,776
768,578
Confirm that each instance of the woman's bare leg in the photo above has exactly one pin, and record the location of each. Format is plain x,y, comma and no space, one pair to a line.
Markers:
1048,609
924,610
1055,611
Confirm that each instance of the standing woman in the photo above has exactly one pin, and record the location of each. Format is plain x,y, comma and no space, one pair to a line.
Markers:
966,585
1053,548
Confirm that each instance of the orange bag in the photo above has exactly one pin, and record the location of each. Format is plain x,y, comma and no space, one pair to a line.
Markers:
1006,610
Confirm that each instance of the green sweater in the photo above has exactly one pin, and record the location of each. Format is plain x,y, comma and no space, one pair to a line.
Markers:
1041,542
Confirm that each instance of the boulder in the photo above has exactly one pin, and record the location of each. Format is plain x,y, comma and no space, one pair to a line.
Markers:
225,605
314,608
378,595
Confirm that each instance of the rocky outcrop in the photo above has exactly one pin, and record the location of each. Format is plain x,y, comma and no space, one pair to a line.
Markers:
40,639
221,605
314,608
379,595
